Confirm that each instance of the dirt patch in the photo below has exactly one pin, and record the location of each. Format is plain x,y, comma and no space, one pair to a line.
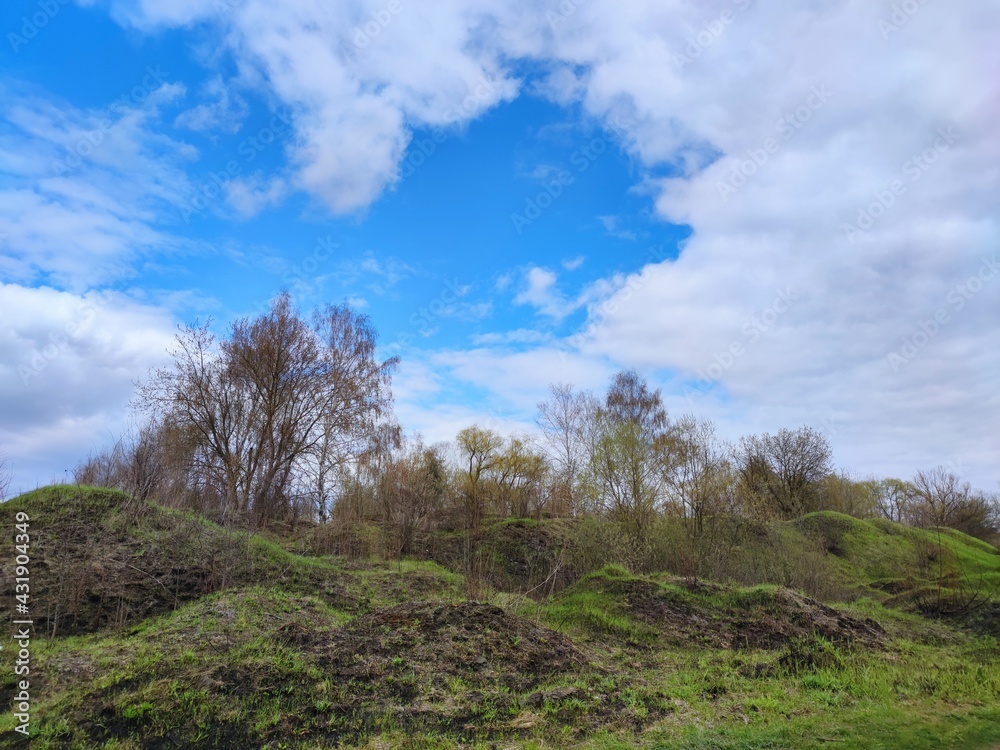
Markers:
477,642
471,670
771,620
96,566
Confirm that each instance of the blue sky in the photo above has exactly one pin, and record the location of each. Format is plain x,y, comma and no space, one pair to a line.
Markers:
517,193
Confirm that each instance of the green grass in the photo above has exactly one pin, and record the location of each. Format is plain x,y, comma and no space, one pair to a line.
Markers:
877,550
251,663
168,676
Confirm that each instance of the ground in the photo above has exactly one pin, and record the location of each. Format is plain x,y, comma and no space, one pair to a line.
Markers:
155,629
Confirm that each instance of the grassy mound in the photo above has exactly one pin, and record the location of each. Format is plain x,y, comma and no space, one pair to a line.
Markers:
220,672
644,610
100,560
478,642
875,552
259,668
934,571
185,634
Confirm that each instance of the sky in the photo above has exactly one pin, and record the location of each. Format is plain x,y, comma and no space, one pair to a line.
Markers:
779,215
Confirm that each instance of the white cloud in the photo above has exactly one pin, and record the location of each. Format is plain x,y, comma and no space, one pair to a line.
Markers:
358,86
612,225
775,140
225,110
540,292
82,193
248,195
433,389
517,336
67,367
81,190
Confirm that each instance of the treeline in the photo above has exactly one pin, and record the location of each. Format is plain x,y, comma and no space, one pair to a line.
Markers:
289,419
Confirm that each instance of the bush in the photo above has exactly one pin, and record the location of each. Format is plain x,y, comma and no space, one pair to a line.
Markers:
595,543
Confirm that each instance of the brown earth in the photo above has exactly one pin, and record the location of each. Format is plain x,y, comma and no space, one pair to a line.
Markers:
771,622
95,565
478,642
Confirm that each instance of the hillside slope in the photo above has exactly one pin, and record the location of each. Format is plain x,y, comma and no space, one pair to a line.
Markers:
168,631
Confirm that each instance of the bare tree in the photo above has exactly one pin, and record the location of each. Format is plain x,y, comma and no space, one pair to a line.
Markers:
839,492
893,498
939,495
411,489
696,472
563,420
519,473
784,469
6,475
271,397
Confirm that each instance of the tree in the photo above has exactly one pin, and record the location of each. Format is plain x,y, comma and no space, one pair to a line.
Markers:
357,419
268,400
942,498
696,473
837,491
6,475
893,498
628,428
134,464
784,470
479,448
563,420
939,494
411,488
519,473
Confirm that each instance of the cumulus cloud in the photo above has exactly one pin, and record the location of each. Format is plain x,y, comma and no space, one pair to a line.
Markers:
82,195
67,367
359,77
517,336
248,195
864,184
540,292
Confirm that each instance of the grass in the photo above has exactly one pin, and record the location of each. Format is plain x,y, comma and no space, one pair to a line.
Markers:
874,552
300,652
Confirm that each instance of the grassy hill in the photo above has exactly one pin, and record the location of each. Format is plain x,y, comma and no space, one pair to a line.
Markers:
158,629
